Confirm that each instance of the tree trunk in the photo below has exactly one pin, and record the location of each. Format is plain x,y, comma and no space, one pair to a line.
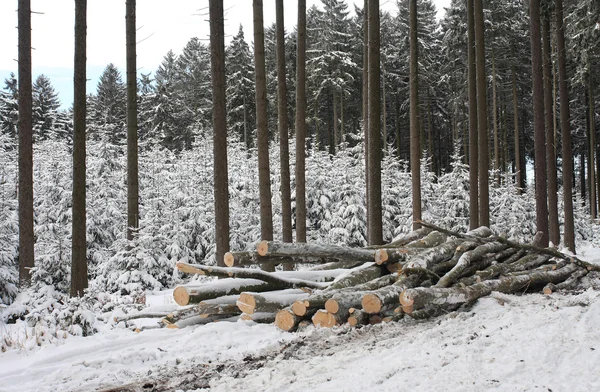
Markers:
365,105
284,153
133,211
565,126
517,155
553,227
541,206
79,279
219,116
266,213
484,191
26,236
301,124
495,121
384,110
374,210
415,137
592,147
473,135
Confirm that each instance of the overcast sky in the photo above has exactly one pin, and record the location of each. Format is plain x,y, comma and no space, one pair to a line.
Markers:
161,26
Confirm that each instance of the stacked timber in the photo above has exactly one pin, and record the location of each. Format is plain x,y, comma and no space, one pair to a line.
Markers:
426,273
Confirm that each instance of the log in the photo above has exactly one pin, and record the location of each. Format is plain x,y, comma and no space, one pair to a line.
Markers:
356,277
358,317
419,298
530,248
286,320
570,283
249,274
324,319
435,255
208,309
410,237
348,264
318,299
285,249
237,259
377,300
270,302
397,254
193,294
524,263
465,261
259,318
199,320
140,315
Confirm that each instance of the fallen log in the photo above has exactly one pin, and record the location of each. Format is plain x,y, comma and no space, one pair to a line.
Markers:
249,274
269,302
419,298
347,264
530,248
322,318
396,254
410,237
356,277
260,318
237,259
285,249
196,293
358,317
568,284
465,261
286,320
377,300
319,299
524,263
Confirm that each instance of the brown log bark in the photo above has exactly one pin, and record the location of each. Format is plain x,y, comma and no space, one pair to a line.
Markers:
79,267
260,318
219,118
301,124
410,237
473,134
415,136
133,210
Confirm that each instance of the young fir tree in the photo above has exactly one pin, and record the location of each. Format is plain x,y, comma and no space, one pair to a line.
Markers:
45,109
241,110
107,108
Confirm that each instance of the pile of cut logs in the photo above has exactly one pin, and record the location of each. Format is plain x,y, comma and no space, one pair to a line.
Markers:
428,272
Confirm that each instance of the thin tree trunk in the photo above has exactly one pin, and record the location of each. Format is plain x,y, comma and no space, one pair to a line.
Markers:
384,111
473,134
266,213
301,124
495,121
365,104
133,211
374,210
484,191
334,139
342,124
284,152
592,147
25,126
517,156
553,227
541,206
415,136
219,114
79,279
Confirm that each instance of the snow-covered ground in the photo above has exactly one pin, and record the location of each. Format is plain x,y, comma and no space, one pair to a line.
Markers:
504,342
